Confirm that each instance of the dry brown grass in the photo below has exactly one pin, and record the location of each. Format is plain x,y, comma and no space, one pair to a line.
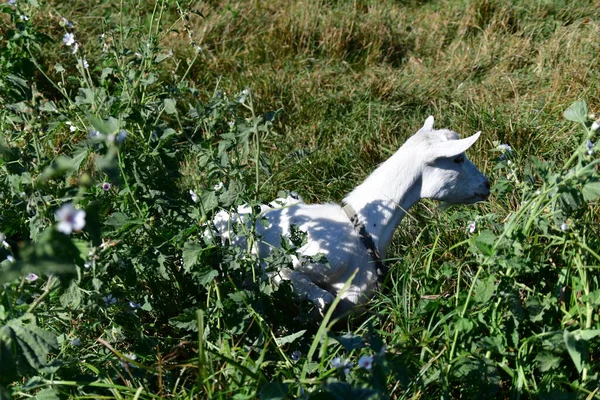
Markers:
357,77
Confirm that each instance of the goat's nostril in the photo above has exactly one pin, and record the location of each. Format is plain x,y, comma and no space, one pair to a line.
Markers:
487,184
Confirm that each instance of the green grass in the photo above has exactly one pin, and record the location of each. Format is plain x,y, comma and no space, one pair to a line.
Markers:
508,311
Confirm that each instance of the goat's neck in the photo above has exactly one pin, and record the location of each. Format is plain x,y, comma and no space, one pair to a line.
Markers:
382,200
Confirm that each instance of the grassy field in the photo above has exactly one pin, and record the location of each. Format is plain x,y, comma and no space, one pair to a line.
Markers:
151,117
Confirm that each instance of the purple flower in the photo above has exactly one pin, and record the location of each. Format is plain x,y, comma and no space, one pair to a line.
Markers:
121,136
31,277
296,355
109,300
106,186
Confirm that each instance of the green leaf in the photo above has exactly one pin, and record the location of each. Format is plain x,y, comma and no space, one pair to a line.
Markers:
105,73
349,341
122,221
206,275
547,361
274,391
591,191
485,242
170,106
289,338
47,394
485,289
464,325
65,164
53,253
190,255
48,106
110,126
577,112
588,334
71,298
209,200
34,344
86,96
576,347
161,57
344,391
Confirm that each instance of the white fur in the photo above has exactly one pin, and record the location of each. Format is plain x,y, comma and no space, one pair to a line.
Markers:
424,167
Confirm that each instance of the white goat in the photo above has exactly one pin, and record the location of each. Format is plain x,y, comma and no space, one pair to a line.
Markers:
431,164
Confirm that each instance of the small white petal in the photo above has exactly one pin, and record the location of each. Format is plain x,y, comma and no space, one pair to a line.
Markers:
68,39
366,362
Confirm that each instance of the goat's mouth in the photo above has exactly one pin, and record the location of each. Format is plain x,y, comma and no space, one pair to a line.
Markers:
482,196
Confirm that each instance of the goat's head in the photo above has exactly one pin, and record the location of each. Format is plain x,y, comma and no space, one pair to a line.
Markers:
447,173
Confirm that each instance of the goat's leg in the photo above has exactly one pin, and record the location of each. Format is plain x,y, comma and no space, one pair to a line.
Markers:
305,288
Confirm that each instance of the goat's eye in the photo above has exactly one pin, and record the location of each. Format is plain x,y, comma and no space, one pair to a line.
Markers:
459,159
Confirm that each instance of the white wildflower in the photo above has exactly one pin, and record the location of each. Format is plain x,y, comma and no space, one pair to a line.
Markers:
68,39
596,125
345,365
133,305
564,226
505,148
70,219
194,196
129,356
366,362
75,48
472,227
31,277
218,186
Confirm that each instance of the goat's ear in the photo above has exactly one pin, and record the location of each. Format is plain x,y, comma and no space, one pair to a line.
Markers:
453,148
428,125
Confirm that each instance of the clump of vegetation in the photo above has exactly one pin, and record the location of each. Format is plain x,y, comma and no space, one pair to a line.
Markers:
124,129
